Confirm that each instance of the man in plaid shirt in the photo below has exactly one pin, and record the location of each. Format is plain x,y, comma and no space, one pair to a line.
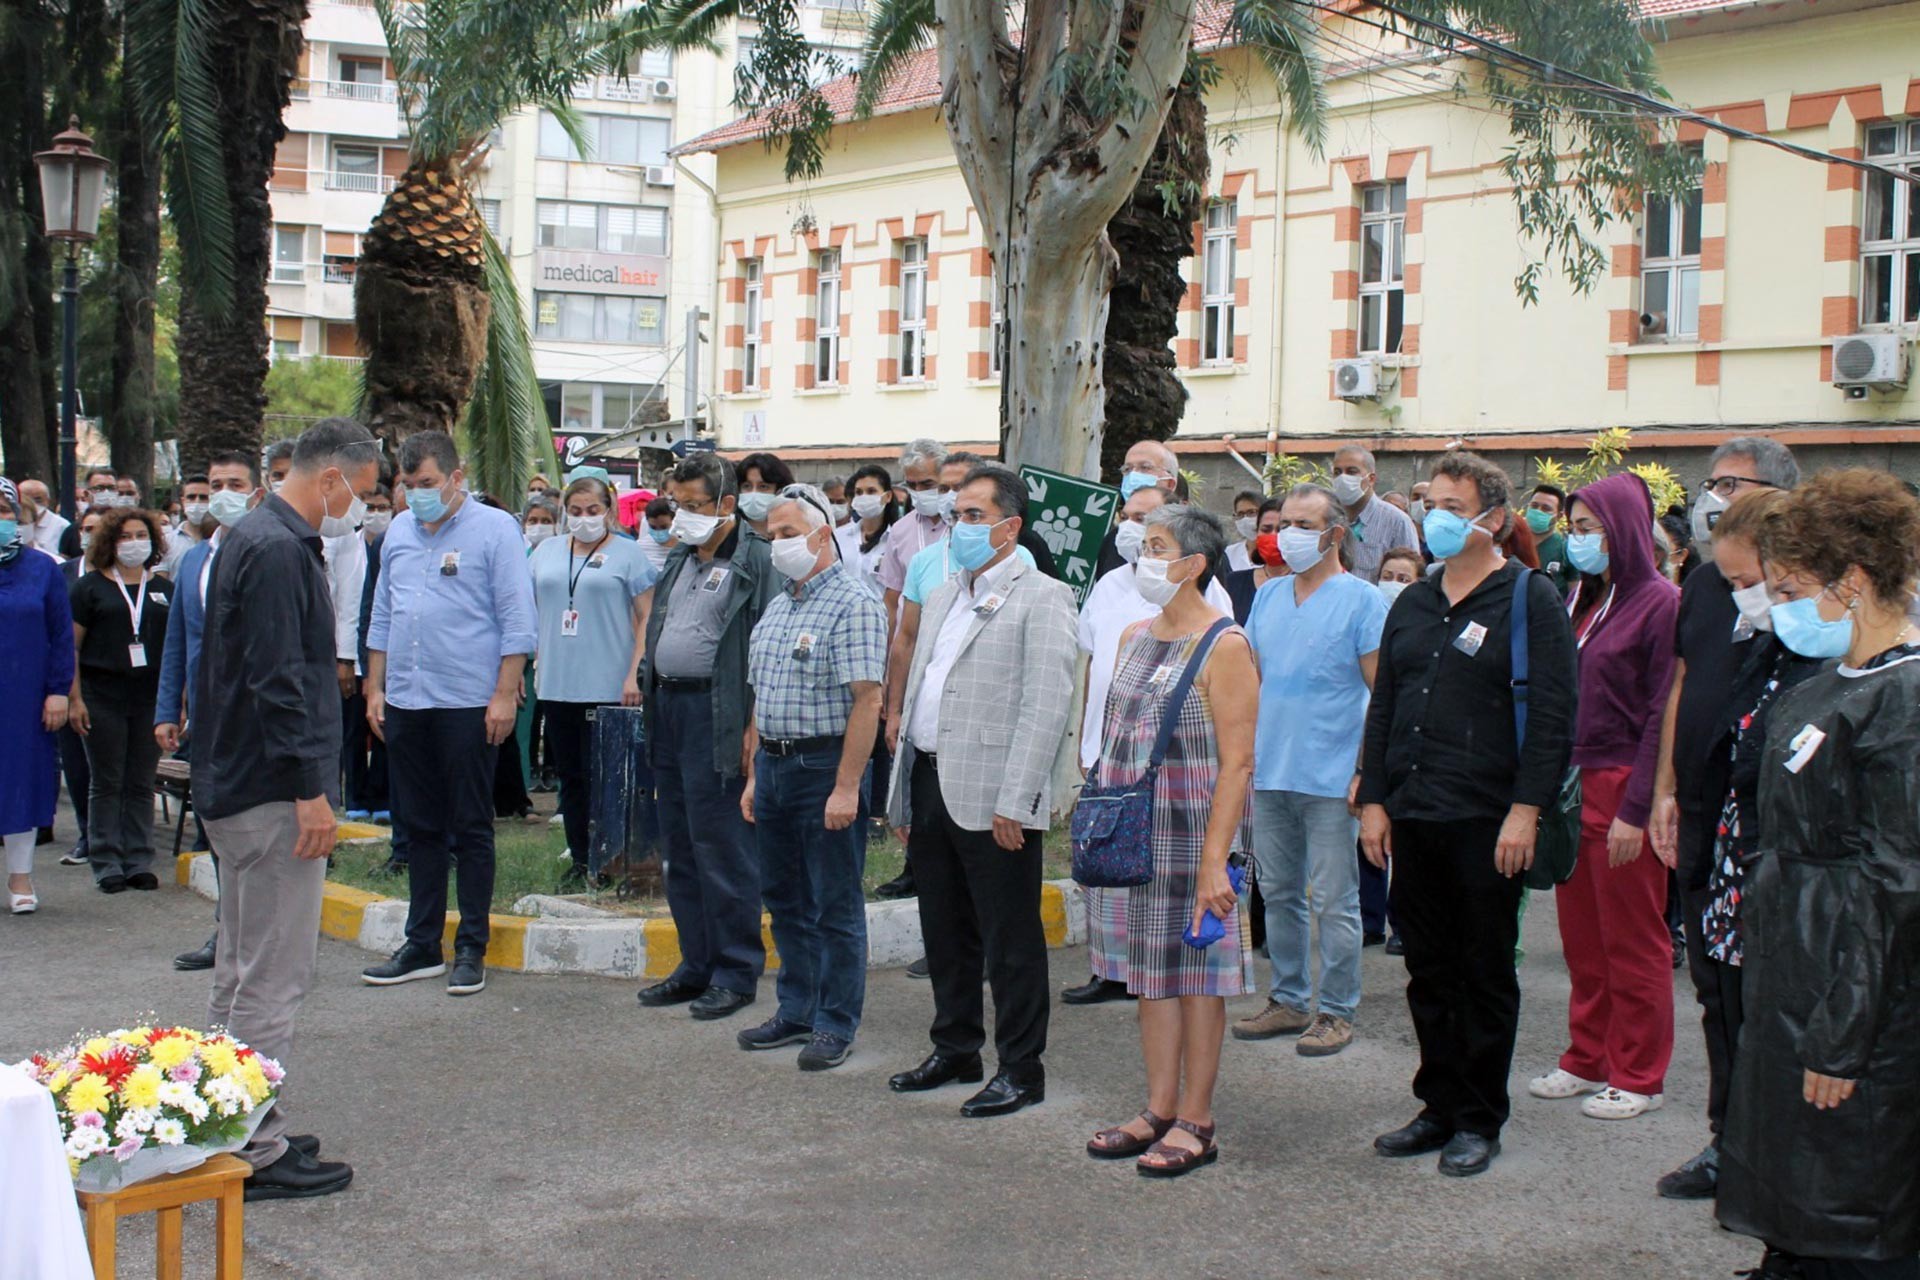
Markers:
814,668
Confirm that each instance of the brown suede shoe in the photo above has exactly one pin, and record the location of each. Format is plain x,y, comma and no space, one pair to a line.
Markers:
1275,1020
1327,1036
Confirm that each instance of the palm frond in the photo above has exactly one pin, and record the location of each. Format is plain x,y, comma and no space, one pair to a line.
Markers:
507,433
896,30
1282,32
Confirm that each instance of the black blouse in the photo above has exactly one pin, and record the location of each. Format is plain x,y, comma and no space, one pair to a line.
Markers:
100,607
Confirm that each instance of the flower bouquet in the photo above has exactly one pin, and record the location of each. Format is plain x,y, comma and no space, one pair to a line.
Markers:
148,1101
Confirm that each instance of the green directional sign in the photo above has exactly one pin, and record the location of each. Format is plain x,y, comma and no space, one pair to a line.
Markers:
1072,517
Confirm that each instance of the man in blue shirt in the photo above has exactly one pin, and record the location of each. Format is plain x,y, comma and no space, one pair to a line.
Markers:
1316,633
453,623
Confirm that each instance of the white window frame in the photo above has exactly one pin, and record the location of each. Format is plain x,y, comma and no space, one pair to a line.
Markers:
1383,217
913,310
490,214
1892,303
339,179
827,317
601,322
754,272
1222,229
289,270
996,325
1670,267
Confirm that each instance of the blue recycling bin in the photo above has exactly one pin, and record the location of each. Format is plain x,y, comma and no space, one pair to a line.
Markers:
621,822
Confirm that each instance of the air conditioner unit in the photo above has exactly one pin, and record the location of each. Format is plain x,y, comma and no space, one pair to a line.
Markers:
1877,360
663,90
1357,379
660,175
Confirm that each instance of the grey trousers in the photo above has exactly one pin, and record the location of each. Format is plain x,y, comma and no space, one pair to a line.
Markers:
268,942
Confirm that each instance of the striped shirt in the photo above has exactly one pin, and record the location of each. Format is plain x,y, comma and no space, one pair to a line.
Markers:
812,642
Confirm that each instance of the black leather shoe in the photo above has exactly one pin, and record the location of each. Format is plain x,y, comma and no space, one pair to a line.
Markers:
306,1144
199,958
1003,1096
937,1070
1372,939
297,1176
469,974
901,886
111,884
718,1002
1095,991
919,969
1395,947
409,964
1467,1154
1424,1134
672,991
145,881
1697,1179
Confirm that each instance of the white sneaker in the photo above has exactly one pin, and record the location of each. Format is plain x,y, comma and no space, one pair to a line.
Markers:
1557,1084
1618,1104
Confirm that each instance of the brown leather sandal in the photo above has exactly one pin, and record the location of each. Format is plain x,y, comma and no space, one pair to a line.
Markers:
1163,1161
1117,1144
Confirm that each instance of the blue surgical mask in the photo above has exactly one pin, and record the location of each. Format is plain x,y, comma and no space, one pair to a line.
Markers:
1586,553
1134,481
427,505
1446,533
659,535
757,506
9,530
973,544
1801,628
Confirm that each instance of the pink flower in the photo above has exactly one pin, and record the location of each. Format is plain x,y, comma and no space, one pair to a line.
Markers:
271,1070
126,1149
187,1072
90,1120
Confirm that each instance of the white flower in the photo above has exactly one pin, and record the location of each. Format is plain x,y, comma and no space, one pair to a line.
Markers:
169,1133
196,1108
228,1096
174,1093
86,1142
128,1126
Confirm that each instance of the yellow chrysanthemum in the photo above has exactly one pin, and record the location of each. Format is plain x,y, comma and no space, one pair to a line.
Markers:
169,1053
88,1093
73,1167
142,1088
99,1046
220,1058
137,1037
60,1079
255,1080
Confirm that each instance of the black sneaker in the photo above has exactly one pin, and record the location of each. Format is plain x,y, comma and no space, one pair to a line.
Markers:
1697,1179
469,974
111,884
918,969
409,964
74,857
143,880
825,1052
773,1034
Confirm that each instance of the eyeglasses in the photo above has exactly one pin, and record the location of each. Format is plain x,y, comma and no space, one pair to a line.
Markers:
1727,486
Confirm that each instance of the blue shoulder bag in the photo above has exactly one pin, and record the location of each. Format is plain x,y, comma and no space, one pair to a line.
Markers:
1112,826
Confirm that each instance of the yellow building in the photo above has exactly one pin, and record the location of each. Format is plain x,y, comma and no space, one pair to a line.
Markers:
856,311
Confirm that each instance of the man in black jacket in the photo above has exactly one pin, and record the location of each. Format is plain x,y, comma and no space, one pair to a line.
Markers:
1447,789
266,766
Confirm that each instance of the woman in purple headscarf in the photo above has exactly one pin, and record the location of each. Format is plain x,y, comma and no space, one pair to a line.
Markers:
36,670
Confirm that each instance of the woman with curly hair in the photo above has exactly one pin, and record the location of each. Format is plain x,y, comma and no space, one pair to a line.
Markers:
1822,1137
119,627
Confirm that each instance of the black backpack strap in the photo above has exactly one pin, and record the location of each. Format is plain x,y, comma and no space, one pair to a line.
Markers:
1517,638
1170,715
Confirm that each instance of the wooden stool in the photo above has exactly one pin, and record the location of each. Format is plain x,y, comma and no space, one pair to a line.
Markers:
222,1178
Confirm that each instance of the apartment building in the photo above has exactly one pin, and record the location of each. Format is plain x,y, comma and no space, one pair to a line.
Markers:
611,249
1367,291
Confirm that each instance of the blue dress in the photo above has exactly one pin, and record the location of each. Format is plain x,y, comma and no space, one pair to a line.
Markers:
36,659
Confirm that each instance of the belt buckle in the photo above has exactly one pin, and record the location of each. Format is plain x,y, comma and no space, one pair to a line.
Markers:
776,747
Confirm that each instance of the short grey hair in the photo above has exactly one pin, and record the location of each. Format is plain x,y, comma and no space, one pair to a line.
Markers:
1198,533
710,471
334,442
423,446
1168,458
923,450
272,453
1773,460
1337,517
1364,454
812,502
963,458
545,504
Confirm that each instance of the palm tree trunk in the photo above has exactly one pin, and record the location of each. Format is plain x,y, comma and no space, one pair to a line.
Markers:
223,350
130,401
1145,397
28,427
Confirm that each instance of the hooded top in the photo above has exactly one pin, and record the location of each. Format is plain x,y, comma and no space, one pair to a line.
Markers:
1626,650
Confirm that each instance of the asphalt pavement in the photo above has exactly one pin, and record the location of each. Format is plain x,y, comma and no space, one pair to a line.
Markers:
550,1127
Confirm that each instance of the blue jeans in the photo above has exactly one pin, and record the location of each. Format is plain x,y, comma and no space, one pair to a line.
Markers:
810,882
1303,844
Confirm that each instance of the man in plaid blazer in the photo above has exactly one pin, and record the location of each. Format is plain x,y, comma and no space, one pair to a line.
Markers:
988,698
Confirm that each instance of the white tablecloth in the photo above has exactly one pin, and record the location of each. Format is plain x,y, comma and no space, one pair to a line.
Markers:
40,1234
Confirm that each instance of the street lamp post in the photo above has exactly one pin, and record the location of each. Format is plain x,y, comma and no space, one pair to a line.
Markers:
73,183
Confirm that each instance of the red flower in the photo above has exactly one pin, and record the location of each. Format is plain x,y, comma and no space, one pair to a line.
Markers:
161,1033
243,1052
116,1065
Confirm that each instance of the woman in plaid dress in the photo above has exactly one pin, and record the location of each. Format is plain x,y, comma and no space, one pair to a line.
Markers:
1201,819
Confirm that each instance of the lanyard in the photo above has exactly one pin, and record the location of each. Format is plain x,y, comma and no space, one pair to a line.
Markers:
573,574
1593,623
134,609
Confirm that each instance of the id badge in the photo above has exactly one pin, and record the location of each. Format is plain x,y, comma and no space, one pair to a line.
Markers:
450,564
570,623
1471,639
136,655
1161,675
599,558
802,647
1803,745
990,606
715,577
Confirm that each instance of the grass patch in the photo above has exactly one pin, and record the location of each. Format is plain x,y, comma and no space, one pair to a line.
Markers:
527,860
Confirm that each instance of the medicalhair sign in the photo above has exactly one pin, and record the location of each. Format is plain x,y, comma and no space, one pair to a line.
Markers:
577,271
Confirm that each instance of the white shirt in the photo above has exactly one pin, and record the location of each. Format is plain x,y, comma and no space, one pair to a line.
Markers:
346,560
1239,559
1113,605
923,729
862,566
44,533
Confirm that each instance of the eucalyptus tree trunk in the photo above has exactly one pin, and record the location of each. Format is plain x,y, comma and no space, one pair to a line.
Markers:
1047,173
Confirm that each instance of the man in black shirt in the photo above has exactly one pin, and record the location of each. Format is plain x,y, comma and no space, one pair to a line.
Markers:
1448,791
1694,771
266,766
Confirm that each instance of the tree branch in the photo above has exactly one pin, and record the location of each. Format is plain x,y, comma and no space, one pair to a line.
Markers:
979,111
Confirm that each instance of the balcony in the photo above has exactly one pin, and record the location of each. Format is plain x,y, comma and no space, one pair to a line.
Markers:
352,22
373,183
323,289
347,107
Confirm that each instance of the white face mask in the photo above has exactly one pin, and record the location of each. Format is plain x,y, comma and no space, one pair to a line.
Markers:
131,555
196,513
1418,510
587,528
538,533
1392,590
377,521
339,526
228,506
793,557
1754,605
693,529
1348,489
1246,527
931,502
869,505
1707,509
1301,548
1128,538
123,500
1150,580
274,486
840,511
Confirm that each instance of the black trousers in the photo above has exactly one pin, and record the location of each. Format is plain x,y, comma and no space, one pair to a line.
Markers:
1715,985
570,751
363,759
122,753
1858,1269
1459,920
510,799
442,776
980,913
79,777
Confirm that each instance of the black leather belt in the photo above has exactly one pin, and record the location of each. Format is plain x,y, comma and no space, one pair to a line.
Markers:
796,746
926,757
698,684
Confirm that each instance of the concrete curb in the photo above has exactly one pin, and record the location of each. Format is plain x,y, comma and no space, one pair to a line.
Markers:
614,946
